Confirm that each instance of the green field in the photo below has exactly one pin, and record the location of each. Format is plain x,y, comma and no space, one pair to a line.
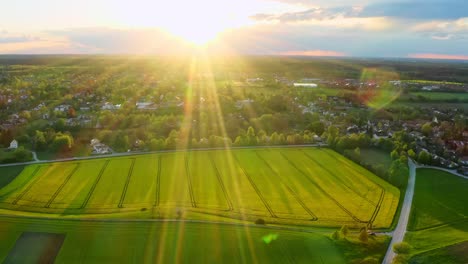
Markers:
440,96
303,186
439,212
375,157
168,242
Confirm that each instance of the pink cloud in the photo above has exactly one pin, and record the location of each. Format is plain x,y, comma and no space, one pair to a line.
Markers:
313,53
438,56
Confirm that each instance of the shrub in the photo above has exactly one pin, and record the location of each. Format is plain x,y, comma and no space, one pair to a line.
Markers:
402,248
363,236
335,235
344,230
259,221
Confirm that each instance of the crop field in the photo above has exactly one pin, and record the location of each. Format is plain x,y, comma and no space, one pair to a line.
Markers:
306,186
160,242
439,212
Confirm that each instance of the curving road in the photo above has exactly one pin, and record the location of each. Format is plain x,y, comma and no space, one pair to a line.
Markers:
400,230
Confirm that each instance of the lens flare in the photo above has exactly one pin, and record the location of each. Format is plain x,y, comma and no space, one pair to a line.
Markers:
379,87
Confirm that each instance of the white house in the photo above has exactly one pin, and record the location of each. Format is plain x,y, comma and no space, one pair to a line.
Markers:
308,85
14,144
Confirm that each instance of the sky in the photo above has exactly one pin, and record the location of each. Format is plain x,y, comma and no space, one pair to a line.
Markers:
357,28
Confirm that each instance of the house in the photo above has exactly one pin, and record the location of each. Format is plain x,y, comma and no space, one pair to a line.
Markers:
99,148
14,144
306,85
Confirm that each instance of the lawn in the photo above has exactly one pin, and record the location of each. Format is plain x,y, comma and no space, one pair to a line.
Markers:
376,157
439,213
301,186
440,96
439,198
169,242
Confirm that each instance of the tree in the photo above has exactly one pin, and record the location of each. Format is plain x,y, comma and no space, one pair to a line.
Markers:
22,155
394,154
424,157
357,152
363,236
62,142
398,173
411,154
426,129
344,230
40,142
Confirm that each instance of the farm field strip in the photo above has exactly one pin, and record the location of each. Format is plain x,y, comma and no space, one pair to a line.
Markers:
288,184
142,186
358,188
174,188
207,185
293,193
108,191
309,193
73,194
323,190
243,195
280,200
62,185
10,193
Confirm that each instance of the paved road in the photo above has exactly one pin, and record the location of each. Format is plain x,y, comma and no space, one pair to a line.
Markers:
150,152
400,230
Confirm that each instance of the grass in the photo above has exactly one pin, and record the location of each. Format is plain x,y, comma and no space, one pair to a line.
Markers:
301,186
8,174
440,96
439,199
376,157
438,216
173,242
448,255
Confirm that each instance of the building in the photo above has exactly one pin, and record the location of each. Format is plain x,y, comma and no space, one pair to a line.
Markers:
14,144
306,85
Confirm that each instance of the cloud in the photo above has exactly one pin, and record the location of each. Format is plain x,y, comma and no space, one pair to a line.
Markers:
438,56
313,53
316,13
443,29
418,9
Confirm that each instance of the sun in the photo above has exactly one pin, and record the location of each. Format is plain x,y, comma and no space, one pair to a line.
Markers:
201,21
197,29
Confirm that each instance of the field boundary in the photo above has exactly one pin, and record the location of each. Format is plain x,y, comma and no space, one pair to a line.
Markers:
90,193
255,188
189,180
29,186
127,181
290,190
323,191
59,189
221,183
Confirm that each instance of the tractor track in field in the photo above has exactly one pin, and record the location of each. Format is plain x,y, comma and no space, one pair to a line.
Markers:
293,193
323,191
221,183
381,197
127,181
59,189
189,180
255,188
90,193
333,175
158,182
29,185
